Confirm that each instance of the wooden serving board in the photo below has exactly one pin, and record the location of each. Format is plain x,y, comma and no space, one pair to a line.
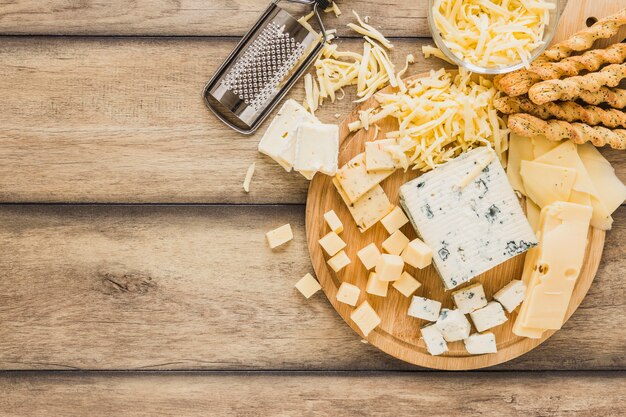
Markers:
399,334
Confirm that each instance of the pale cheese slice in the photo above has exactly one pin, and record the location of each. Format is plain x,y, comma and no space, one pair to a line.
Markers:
376,156
610,190
542,145
369,209
532,214
356,181
520,149
545,184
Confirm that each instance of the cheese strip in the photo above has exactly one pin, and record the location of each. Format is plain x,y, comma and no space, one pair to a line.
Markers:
369,209
356,181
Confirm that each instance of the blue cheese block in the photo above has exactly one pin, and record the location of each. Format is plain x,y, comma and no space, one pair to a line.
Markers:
491,315
467,212
481,343
453,325
424,308
435,343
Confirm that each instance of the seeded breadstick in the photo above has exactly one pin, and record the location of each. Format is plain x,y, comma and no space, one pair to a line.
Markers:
570,88
590,61
568,111
614,97
527,125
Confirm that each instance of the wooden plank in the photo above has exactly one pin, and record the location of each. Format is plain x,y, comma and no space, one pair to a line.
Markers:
196,287
348,394
121,120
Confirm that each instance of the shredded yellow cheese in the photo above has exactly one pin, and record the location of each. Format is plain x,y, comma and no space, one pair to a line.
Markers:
491,33
333,8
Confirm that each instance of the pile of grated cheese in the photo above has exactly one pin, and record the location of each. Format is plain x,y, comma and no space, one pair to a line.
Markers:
492,33
439,117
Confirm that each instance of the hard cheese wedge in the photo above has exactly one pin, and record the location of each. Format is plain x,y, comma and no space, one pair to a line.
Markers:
356,181
368,209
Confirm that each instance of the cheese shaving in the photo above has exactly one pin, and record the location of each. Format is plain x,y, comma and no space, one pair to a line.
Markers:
429,50
366,29
333,8
248,179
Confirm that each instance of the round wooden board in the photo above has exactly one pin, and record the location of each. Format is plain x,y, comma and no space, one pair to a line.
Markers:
399,334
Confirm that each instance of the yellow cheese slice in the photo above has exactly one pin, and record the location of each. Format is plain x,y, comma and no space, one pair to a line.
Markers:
356,181
520,330
609,189
545,184
533,213
369,209
520,149
541,145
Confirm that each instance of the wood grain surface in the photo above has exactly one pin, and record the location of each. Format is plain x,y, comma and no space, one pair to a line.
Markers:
552,394
99,287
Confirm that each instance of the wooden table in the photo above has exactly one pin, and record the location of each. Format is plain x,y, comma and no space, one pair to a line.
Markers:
128,244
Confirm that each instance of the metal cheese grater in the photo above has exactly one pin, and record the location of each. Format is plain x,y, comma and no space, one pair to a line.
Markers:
262,68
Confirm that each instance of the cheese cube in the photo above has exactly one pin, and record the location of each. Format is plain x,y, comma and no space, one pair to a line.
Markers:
369,209
317,148
332,243
279,236
407,285
453,325
435,343
376,286
491,315
369,256
279,139
376,157
389,267
339,261
332,220
478,344
394,220
308,285
417,254
395,243
470,298
424,308
511,295
365,317
348,294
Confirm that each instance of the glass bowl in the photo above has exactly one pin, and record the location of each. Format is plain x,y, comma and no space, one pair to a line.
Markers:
547,38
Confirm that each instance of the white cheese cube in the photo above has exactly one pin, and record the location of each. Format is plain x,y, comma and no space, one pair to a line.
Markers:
478,344
339,261
511,295
332,243
317,148
365,317
308,285
369,256
470,298
332,220
435,343
490,316
376,286
406,285
453,325
424,308
279,139
376,157
417,254
279,236
389,267
348,294
395,243
394,220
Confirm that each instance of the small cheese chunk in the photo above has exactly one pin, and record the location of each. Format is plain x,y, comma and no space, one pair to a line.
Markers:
424,308
453,325
332,220
377,158
417,254
491,315
470,298
389,267
406,285
395,243
279,236
332,243
317,148
376,286
356,181
369,256
435,343
308,285
369,209
394,220
348,294
478,344
511,295
248,179
339,261
365,318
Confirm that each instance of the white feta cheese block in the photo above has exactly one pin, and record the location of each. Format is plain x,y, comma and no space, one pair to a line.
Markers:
453,325
478,344
470,298
317,148
435,343
424,308
491,315
511,295
279,140
468,214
